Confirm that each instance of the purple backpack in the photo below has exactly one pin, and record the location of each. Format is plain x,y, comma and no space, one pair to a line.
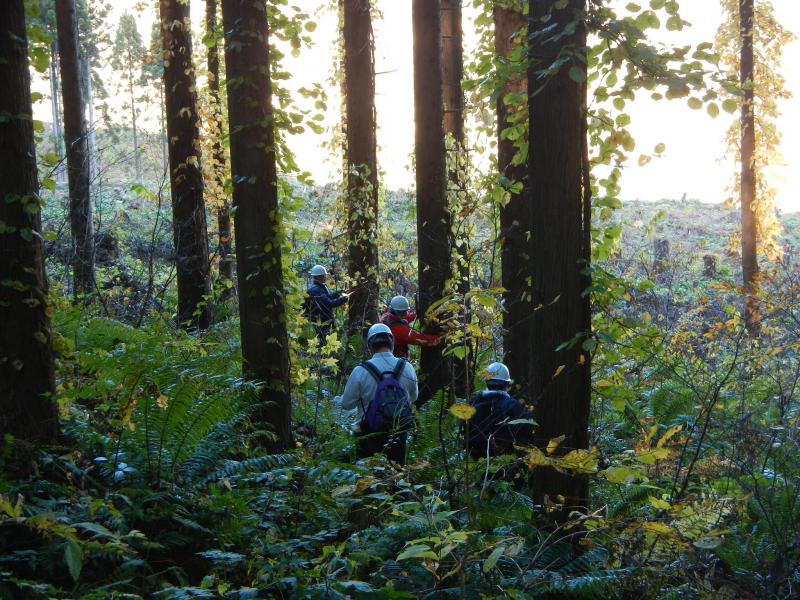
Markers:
389,409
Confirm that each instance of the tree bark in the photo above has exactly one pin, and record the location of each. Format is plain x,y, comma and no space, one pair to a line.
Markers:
259,234
224,233
453,106
560,244
510,28
55,107
433,218
752,314
137,161
361,164
76,139
27,410
452,69
186,180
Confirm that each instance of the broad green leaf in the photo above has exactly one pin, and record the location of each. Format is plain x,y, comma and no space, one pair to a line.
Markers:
73,556
490,562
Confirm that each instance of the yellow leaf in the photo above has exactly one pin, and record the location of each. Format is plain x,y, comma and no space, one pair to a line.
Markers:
462,411
553,444
162,401
658,503
579,461
536,458
668,434
558,371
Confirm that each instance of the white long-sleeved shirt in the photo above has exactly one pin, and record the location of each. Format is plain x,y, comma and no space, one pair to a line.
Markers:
361,385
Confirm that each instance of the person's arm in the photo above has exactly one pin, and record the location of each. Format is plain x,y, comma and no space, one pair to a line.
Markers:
352,390
410,382
404,335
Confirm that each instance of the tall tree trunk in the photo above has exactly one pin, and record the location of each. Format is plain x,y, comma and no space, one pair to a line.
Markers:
224,233
433,218
75,137
752,314
27,410
510,28
452,69
259,233
560,383
93,168
453,105
55,107
186,179
137,161
361,164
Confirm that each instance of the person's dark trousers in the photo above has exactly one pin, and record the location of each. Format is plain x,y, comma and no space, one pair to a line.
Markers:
393,446
323,331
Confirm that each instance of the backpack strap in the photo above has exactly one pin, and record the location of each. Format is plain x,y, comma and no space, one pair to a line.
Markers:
372,370
398,369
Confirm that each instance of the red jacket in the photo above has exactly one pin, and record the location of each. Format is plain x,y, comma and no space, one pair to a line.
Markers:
404,336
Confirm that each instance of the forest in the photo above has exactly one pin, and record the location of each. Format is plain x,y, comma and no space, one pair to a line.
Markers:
224,377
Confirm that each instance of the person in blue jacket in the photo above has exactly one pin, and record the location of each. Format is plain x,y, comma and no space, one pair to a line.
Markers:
492,429
320,302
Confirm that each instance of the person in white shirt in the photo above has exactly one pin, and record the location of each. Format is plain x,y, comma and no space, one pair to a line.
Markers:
360,391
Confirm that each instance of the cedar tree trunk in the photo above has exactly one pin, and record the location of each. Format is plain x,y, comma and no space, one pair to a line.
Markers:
224,232
361,163
560,382
27,411
433,217
186,180
77,149
510,28
262,308
453,105
752,315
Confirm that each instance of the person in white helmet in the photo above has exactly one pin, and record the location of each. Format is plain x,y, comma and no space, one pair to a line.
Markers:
320,302
381,371
491,431
398,319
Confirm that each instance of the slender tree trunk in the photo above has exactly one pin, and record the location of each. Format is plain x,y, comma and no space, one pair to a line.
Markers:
164,144
137,162
560,384
433,218
27,410
752,314
510,28
75,137
361,164
259,233
186,179
93,169
55,107
452,69
453,104
224,232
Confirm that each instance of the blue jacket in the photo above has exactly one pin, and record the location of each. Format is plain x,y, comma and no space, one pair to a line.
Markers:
321,302
489,425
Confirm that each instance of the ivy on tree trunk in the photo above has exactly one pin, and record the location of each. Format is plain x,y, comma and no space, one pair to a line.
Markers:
27,409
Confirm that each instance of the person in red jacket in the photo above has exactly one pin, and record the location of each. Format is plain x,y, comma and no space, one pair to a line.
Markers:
397,319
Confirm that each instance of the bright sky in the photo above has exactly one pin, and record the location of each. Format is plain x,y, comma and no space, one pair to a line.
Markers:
694,163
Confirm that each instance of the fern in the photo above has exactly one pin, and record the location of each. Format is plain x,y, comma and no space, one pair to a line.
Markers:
250,465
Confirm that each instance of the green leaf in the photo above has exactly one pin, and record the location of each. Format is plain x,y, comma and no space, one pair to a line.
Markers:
73,556
577,74
730,105
695,103
713,110
490,562
417,552
660,148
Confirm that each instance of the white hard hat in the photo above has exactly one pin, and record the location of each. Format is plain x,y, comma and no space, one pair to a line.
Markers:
317,271
378,330
399,304
497,372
